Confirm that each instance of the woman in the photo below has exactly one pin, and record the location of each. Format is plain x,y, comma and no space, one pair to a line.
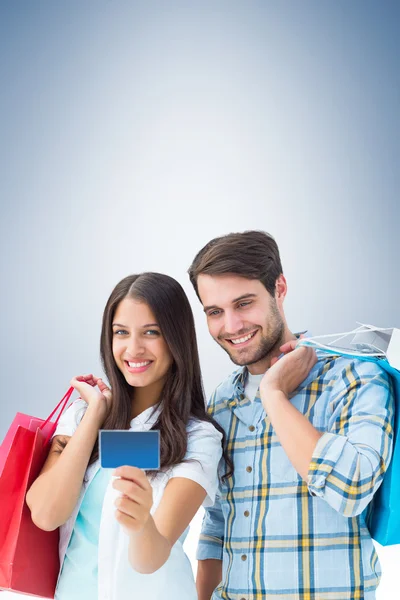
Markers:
122,537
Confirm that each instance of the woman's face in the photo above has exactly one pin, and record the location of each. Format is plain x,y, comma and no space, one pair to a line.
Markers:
139,348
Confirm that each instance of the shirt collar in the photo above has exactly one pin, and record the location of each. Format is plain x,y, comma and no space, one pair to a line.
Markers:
147,418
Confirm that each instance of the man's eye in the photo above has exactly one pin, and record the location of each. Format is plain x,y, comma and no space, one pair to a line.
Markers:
214,313
244,304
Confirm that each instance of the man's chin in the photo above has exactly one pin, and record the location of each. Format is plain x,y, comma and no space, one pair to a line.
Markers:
242,359
238,362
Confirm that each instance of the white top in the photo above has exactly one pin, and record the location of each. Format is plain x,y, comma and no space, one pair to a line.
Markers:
117,578
252,384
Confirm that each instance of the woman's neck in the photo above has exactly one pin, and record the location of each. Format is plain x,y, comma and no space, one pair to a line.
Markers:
144,397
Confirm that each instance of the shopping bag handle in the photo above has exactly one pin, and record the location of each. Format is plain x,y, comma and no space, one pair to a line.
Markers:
62,404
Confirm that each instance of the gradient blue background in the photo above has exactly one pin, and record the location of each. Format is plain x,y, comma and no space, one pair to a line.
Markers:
134,132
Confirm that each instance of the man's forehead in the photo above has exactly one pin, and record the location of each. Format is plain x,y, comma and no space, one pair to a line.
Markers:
225,289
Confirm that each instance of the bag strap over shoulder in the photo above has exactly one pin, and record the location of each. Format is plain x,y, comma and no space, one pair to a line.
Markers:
61,406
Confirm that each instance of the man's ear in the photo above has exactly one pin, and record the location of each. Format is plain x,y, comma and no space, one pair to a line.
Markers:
280,289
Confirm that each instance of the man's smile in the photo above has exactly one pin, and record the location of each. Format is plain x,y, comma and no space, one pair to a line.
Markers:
238,342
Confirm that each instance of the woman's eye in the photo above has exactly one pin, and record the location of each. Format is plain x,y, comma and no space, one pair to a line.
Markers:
152,332
120,332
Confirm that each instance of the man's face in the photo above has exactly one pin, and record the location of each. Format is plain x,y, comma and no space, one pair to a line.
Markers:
242,317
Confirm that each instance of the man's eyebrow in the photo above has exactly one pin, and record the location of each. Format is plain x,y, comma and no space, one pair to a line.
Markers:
243,297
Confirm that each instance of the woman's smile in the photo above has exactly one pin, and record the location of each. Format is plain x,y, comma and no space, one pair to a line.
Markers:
137,367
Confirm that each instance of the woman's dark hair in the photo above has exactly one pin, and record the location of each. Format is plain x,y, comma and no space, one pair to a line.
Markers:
250,254
182,396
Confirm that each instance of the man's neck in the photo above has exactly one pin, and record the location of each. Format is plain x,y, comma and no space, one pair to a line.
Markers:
263,365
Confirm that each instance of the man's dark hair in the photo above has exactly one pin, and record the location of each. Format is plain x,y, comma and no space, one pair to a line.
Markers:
251,254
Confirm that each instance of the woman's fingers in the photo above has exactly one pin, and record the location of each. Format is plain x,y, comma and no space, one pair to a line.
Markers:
130,522
128,506
78,383
90,379
130,489
104,388
133,474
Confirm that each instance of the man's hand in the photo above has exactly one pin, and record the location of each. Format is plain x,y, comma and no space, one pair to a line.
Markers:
288,372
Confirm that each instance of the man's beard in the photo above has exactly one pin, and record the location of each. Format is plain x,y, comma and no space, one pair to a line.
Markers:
268,344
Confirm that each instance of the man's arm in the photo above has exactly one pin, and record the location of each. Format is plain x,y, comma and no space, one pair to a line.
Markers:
295,432
345,465
209,576
209,552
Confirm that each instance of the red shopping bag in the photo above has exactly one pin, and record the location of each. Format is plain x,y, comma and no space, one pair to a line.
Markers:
29,561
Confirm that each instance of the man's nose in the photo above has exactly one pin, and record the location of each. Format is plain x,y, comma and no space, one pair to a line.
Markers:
233,322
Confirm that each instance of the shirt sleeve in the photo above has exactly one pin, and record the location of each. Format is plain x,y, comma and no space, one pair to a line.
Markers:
211,539
350,459
204,451
70,419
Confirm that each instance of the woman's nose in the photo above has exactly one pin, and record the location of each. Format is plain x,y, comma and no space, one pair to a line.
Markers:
135,346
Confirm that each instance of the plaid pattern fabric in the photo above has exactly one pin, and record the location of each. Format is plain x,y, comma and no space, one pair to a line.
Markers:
279,536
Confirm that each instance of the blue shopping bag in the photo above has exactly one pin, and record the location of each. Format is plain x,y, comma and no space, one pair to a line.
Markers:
383,513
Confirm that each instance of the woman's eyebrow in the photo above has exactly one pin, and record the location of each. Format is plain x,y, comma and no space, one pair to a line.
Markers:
143,326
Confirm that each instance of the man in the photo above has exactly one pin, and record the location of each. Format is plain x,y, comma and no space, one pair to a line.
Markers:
310,437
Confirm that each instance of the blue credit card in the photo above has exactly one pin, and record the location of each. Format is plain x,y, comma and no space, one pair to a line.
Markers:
133,448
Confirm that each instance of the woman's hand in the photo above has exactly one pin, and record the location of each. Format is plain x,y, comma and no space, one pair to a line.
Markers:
136,500
287,373
94,392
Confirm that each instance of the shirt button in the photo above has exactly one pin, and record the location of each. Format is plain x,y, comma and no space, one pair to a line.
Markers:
251,428
244,557
246,513
249,469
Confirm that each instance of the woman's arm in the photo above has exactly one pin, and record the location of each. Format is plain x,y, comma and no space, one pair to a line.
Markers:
54,494
151,538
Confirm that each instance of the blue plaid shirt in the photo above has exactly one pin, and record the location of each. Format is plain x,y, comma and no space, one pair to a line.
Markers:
279,536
